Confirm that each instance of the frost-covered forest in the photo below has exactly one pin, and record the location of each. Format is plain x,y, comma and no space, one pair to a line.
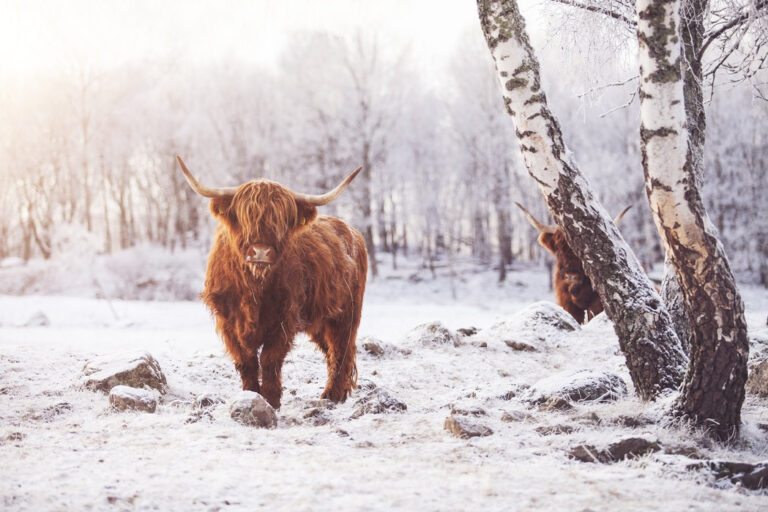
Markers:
87,151
135,377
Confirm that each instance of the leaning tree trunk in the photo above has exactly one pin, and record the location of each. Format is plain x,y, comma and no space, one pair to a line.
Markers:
647,338
713,388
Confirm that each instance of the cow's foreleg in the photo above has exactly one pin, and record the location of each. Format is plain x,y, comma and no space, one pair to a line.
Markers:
272,357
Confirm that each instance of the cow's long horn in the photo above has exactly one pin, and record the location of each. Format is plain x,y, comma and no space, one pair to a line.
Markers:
202,189
621,215
543,228
326,198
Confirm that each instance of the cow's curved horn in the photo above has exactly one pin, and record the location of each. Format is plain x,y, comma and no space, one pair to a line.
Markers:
326,198
543,228
621,215
202,189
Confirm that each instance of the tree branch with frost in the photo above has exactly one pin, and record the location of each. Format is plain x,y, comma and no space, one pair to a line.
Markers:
654,357
595,7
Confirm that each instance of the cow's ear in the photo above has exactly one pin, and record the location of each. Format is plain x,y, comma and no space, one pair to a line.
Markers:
547,240
221,208
305,213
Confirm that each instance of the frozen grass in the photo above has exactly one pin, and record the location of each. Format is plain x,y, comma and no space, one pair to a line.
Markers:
61,448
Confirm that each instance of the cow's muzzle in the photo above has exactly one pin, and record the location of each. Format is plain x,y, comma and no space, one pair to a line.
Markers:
258,258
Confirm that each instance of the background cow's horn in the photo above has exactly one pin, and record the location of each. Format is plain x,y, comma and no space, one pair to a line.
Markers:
329,196
202,189
543,228
621,215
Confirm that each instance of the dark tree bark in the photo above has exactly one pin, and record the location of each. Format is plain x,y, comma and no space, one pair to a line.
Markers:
643,326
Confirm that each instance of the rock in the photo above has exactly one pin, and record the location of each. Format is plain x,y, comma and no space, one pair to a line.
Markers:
468,411
692,452
377,348
623,449
39,319
251,409
317,416
378,401
509,395
750,476
578,386
632,447
757,381
530,328
433,334
520,346
12,437
515,416
49,413
207,401
373,347
548,430
634,421
126,398
462,428
467,331
366,385
556,403
134,370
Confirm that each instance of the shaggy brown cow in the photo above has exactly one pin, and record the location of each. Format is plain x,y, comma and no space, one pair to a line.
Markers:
573,289
276,268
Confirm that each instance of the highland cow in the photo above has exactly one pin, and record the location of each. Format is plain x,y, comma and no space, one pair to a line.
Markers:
276,269
573,289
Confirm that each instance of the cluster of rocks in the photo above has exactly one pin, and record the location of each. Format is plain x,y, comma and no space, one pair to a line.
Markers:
133,381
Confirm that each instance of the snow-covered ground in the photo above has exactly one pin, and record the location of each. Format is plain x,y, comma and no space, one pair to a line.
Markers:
62,448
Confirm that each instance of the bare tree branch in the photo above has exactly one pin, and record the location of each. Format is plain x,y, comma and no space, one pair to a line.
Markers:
631,23
760,10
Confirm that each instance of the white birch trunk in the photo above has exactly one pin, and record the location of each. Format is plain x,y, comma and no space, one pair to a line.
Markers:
654,357
713,388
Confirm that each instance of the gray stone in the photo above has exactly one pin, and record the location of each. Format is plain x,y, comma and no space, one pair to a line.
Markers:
317,416
377,348
578,386
39,319
207,401
471,410
134,370
51,412
433,334
378,401
757,382
251,409
520,346
464,429
549,430
627,448
126,398
748,475
515,416
556,403
632,447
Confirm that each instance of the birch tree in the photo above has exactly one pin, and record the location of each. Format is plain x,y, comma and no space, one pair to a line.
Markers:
713,388
654,357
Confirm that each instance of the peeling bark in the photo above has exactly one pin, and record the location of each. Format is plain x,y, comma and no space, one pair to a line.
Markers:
713,387
644,328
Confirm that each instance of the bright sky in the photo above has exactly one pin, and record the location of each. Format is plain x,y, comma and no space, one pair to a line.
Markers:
46,35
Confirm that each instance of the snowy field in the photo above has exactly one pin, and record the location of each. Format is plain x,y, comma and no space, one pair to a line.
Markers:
62,448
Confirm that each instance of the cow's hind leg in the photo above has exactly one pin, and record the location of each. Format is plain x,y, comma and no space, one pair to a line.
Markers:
340,352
